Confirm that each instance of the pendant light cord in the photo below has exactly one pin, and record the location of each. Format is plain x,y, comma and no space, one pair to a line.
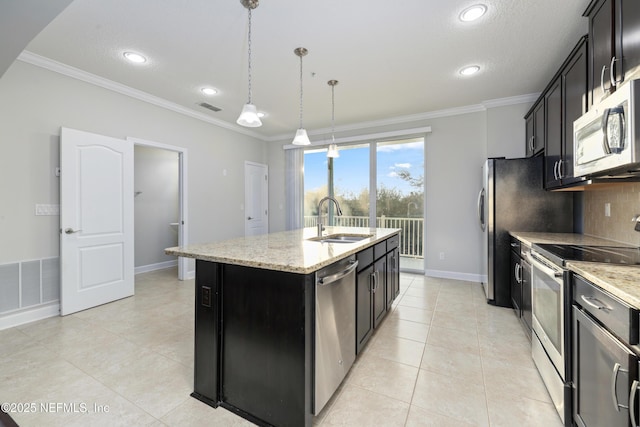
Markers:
249,50
333,113
301,89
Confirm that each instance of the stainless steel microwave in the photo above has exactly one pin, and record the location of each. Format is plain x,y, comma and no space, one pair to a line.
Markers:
605,139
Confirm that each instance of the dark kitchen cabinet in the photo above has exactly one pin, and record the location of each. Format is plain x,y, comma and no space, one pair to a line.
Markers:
377,285
614,44
393,270
553,139
521,284
535,129
516,280
364,307
566,101
379,288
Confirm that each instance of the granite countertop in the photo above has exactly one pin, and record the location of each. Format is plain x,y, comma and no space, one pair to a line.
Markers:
288,251
622,281
565,238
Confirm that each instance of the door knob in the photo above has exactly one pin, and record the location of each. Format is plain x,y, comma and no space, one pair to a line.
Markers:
71,231
249,218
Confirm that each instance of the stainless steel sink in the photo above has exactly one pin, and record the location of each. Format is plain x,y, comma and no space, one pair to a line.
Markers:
340,238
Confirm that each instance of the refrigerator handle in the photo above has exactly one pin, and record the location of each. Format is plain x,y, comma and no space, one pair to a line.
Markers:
481,209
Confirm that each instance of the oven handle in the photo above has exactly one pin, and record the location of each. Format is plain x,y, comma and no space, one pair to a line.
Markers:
539,263
614,381
632,400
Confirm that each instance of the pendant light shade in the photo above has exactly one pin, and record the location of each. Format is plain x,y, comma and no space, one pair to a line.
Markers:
301,137
332,152
249,115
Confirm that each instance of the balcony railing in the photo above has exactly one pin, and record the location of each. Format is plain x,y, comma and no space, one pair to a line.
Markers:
410,238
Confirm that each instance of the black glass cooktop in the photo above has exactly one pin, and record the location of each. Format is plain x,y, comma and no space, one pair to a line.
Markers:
604,254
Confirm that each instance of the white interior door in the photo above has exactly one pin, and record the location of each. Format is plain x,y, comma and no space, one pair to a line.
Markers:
96,220
256,199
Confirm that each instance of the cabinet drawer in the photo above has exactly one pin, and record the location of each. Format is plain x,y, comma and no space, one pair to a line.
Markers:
365,258
393,242
614,313
380,250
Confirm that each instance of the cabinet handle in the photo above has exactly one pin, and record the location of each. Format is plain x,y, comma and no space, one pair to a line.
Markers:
560,174
555,171
532,142
632,400
595,303
612,73
614,380
604,69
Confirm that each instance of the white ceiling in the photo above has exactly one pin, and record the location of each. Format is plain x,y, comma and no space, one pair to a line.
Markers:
391,58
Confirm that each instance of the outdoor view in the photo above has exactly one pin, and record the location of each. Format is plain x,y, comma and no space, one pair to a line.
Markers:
399,194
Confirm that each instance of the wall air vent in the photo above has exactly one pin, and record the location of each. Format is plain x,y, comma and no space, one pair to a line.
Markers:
209,107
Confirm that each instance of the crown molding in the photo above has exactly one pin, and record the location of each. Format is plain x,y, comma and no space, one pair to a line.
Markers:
448,112
512,100
75,73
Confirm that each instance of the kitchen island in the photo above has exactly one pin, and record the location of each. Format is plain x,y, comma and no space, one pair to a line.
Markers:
255,315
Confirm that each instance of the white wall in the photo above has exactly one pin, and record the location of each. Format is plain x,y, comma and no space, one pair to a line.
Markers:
35,103
156,204
455,151
504,126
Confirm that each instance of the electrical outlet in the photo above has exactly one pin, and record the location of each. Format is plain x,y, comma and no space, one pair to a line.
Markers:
607,209
441,255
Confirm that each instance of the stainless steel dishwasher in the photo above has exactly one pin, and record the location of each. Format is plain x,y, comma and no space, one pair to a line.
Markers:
335,343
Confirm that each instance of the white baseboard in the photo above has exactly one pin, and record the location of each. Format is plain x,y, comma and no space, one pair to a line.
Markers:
454,275
29,314
158,266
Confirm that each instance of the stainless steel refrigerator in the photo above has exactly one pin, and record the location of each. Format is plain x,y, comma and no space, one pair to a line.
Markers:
513,198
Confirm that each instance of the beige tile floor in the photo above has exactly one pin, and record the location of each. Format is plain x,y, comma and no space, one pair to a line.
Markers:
442,357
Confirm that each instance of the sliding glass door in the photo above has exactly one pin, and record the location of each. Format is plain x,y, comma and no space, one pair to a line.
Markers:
378,184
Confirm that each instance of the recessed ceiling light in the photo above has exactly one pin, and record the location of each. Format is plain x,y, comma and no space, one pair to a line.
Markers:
136,58
472,13
472,69
209,91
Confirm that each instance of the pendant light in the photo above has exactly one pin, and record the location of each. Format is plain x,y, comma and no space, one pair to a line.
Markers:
332,152
301,137
249,115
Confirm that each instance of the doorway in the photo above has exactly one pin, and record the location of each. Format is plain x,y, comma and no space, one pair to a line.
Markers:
256,198
162,196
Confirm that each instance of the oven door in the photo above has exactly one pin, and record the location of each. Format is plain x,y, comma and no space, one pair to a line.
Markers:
547,291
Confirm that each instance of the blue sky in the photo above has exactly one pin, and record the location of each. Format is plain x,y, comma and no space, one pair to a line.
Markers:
351,169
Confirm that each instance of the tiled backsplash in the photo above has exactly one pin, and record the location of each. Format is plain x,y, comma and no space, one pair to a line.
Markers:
625,203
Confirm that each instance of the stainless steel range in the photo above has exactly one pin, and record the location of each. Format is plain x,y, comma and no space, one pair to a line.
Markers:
551,301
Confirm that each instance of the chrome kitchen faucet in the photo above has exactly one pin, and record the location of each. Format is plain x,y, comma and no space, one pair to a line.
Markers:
320,226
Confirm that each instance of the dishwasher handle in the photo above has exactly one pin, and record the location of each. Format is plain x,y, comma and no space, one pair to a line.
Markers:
326,280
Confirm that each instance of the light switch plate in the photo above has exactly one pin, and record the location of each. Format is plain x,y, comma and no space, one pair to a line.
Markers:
42,209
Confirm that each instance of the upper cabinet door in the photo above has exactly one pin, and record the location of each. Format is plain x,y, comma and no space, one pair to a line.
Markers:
601,47
627,26
575,105
614,44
